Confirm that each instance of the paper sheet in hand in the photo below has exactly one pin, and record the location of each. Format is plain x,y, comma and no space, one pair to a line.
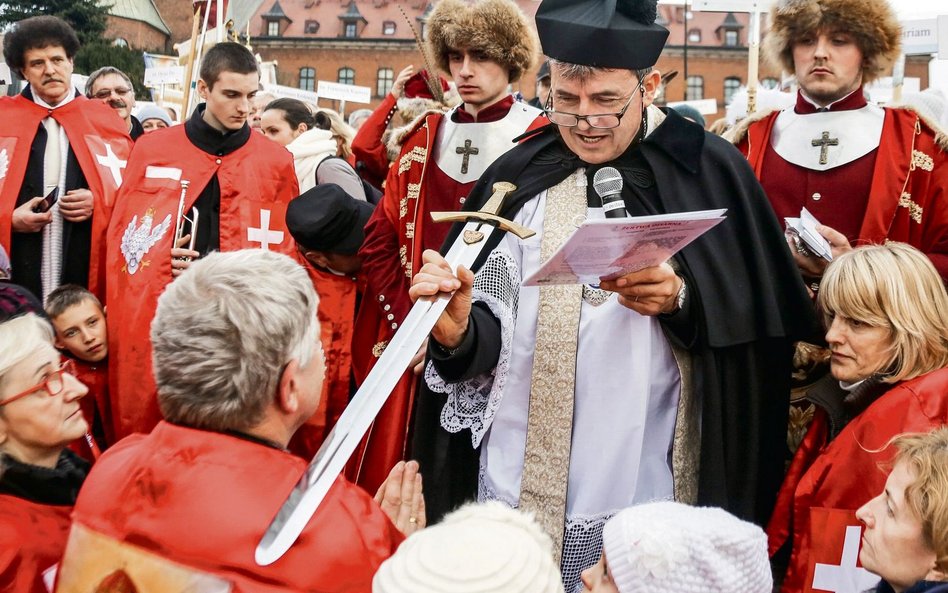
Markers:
606,248
805,228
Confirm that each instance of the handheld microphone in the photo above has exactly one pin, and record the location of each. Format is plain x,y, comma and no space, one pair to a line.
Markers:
608,184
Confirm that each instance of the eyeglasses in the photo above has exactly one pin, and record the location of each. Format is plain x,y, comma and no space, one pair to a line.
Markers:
53,384
598,121
106,93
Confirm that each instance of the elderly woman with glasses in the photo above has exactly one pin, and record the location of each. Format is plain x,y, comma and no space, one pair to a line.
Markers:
886,313
39,417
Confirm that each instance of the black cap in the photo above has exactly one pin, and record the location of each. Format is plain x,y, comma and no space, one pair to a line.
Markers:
601,33
544,71
326,218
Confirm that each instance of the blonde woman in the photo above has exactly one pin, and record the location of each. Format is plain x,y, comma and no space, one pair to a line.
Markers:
886,313
905,540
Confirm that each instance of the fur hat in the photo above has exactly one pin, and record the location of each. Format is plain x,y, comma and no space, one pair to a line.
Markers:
498,28
872,23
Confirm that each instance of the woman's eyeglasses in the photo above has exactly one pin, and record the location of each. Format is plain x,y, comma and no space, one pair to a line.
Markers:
53,384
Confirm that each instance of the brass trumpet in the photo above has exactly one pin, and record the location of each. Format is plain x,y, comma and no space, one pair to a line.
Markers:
182,219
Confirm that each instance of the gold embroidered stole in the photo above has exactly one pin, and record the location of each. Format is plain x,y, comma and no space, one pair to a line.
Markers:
550,419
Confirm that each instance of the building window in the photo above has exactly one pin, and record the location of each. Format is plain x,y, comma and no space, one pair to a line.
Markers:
350,30
385,80
694,36
695,88
730,38
731,84
273,28
770,83
308,79
388,28
347,75
311,27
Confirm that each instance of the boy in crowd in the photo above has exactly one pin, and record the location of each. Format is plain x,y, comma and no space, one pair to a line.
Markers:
79,321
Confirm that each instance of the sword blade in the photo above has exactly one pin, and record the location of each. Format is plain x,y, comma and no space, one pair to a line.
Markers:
358,416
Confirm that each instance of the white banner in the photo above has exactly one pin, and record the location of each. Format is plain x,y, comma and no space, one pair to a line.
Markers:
155,77
704,106
730,5
943,37
343,92
6,77
919,37
280,91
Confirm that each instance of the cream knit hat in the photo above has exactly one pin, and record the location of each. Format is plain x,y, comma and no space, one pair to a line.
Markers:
484,548
665,547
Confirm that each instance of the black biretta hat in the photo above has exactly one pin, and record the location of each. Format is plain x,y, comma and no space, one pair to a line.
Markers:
601,33
326,218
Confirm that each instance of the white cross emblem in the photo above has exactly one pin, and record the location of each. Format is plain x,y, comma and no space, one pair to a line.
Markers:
846,577
111,162
4,163
264,235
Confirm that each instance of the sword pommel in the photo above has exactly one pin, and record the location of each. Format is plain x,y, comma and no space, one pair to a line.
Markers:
488,213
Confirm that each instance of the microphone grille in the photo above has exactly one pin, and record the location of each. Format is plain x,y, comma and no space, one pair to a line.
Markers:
607,181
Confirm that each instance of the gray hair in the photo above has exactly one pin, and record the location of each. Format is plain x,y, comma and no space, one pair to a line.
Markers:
21,338
223,333
582,72
103,71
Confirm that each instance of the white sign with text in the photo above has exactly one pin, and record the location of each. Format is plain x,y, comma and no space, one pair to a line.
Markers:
704,106
343,92
919,37
158,76
280,91
730,5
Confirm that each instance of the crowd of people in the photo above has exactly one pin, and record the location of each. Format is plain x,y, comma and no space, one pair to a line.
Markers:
187,310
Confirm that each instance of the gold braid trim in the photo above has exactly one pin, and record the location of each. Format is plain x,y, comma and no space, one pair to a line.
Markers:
417,154
915,211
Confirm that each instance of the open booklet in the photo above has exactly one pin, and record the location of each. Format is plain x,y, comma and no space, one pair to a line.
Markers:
606,248
805,229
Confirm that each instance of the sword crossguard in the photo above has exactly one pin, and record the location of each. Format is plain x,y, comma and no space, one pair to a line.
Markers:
488,213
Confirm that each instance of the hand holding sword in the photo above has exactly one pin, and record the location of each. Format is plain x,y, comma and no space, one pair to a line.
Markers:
436,276
303,501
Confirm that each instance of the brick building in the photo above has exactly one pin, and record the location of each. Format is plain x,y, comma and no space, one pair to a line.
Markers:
138,24
367,42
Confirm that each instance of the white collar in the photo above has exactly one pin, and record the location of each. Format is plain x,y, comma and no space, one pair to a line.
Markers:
851,135
69,97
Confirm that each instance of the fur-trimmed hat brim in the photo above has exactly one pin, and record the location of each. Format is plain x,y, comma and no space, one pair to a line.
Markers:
872,23
496,28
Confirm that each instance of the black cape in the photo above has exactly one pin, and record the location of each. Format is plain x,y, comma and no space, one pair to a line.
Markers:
746,306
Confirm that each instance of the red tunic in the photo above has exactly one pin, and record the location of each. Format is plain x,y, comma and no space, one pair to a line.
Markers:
94,133
203,500
336,312
395,237
908,187
257,182
32,539
828,482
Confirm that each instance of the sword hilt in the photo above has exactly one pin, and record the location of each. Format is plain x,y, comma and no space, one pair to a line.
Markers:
488,213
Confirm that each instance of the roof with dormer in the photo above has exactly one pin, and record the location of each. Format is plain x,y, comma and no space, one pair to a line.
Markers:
143,11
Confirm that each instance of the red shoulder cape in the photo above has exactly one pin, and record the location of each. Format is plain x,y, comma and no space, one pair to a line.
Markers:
257,182
32,539
95,134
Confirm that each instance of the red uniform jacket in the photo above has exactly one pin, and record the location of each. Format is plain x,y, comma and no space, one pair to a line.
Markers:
828,482
32,539
203,500
101,144
257,182
909,189
368,149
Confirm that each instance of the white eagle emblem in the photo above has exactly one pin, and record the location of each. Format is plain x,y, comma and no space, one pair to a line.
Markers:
138,239
4,163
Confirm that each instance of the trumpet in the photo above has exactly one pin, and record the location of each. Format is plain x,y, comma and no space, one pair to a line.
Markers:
182,219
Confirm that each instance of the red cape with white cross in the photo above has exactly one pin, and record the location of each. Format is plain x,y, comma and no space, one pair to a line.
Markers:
98,138
257,181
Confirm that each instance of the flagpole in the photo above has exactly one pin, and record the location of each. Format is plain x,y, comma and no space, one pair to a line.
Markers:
191,50
200,49
753,61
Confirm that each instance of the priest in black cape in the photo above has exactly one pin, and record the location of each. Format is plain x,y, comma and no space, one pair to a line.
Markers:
671,382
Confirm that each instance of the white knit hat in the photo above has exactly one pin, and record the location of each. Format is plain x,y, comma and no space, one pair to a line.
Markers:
665,547
485,548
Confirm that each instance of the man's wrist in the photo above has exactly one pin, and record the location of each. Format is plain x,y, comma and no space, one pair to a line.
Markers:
678,301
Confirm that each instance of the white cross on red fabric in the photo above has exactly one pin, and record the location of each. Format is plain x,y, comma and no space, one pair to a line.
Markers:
111,162
264,235
845,577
